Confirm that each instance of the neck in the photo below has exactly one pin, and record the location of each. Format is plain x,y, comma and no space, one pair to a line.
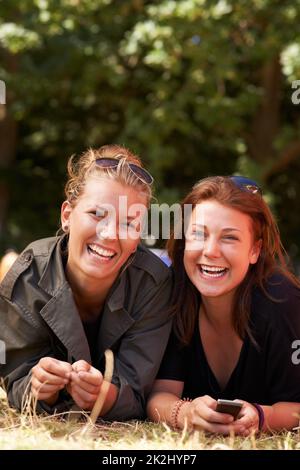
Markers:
218,311
88,294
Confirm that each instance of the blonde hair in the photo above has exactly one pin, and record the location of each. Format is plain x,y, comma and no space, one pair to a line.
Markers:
82,168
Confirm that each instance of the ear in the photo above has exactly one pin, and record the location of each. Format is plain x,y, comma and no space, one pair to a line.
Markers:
65,213
255,251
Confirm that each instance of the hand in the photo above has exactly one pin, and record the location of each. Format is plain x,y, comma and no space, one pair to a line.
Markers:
49,376
85,384
248,419
201,414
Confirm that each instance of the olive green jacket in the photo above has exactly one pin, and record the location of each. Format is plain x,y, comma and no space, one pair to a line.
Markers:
38,318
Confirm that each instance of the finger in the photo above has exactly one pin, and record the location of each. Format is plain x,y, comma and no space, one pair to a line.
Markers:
56,367
209,401
81,366
93,377
246,421
46,377
81,403
214,428
215,417
44,388
85,396
76,379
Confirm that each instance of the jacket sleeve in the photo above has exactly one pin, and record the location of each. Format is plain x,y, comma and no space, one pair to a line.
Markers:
138,357
24,344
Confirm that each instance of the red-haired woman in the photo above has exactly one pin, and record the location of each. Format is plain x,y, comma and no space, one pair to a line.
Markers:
237,326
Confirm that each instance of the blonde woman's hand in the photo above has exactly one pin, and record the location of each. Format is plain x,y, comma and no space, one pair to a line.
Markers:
85,384
48,377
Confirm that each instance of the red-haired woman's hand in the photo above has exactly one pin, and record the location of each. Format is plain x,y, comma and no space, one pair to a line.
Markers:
248,419
201,414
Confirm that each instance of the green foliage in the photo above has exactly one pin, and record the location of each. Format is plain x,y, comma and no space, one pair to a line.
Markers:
179,82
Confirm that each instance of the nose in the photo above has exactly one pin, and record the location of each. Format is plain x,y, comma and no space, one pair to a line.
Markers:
211,247
107,230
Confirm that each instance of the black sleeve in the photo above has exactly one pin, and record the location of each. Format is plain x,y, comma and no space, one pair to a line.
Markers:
283,347
173,365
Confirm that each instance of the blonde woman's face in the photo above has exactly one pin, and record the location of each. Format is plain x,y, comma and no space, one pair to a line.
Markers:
104,228
219,248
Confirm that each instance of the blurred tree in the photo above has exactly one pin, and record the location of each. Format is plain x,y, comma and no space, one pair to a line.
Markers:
196,87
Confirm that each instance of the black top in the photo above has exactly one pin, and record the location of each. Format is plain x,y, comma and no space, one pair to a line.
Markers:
91,329
266,375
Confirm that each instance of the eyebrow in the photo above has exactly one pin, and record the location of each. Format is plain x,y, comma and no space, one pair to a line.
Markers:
227,229
99,208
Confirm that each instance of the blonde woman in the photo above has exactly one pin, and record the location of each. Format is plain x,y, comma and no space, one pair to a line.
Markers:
69,298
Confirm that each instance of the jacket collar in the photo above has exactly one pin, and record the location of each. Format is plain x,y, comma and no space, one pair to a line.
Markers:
53,277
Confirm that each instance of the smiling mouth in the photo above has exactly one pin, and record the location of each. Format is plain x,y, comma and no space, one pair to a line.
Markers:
100,252
212,272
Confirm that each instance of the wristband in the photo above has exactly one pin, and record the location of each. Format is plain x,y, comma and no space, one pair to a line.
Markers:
175,411
261,415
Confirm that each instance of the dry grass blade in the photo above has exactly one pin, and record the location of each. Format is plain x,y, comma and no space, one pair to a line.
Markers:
109,367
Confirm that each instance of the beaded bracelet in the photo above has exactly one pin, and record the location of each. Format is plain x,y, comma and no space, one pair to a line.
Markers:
175,411
261,415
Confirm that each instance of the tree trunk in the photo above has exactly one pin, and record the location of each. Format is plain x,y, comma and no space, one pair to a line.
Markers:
266,121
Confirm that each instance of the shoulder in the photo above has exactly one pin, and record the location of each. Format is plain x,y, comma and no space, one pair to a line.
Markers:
34,257
42,247
280,300
278,288
146,262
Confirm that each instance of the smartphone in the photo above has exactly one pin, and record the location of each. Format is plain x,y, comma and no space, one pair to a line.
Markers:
230,407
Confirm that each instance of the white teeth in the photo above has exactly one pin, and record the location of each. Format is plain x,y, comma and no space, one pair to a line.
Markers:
212,271
101,251
212,268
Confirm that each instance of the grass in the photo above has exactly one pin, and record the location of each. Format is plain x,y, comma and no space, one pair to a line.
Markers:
28,431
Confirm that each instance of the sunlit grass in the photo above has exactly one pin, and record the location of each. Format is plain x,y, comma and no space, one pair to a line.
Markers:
28,431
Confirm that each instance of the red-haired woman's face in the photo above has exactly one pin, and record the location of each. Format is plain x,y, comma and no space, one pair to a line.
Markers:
219,248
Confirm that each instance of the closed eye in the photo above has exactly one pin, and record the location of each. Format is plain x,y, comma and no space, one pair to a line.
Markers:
98,214
128,223
198,235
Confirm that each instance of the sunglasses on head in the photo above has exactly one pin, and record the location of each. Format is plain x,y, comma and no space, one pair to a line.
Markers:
138,171
246,184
